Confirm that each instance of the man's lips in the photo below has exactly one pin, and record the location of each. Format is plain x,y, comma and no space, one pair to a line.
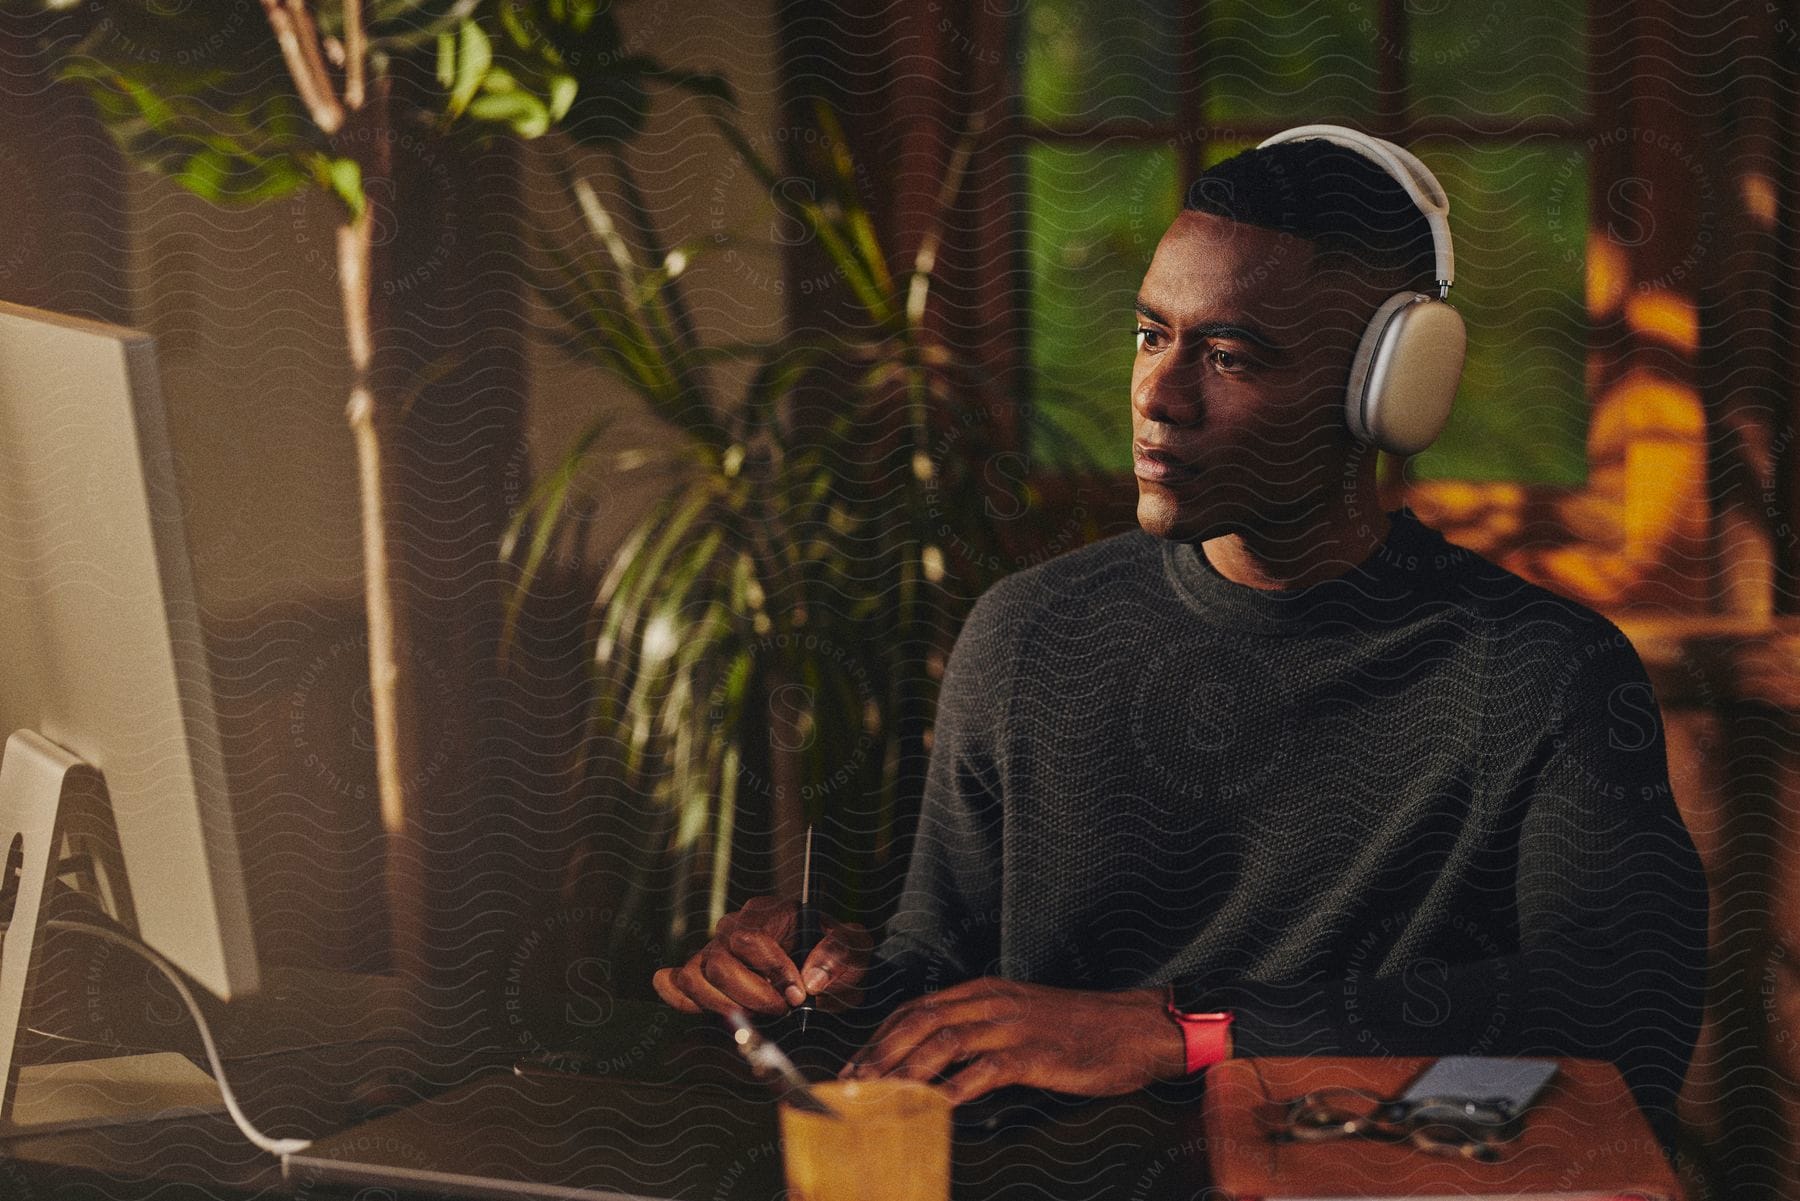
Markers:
1158,464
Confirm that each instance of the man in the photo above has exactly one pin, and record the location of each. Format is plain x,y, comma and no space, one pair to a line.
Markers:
1278,756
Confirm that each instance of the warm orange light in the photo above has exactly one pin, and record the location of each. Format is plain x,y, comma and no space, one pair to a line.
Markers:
1667,478
1608,272
1503,525
1758,193
1645,405
1599,577
1454,500
1665,317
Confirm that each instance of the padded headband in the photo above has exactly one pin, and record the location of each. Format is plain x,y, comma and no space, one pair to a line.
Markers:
1406,168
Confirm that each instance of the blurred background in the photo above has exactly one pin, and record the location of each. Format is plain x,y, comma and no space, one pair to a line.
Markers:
713,399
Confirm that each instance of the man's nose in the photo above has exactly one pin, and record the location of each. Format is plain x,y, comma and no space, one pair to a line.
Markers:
1169,393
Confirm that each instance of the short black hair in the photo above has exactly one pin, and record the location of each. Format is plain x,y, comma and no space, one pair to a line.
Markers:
1334,197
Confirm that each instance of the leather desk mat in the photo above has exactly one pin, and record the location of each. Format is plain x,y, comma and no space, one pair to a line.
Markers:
690,1122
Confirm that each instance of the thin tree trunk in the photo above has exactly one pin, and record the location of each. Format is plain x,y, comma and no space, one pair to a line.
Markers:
370,413
418,297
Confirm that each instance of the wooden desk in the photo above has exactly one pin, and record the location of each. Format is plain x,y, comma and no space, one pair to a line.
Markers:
1583,1138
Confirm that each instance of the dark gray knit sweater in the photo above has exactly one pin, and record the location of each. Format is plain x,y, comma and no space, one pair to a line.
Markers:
1421,808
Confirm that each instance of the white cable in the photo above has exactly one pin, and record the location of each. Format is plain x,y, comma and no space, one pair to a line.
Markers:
274,1146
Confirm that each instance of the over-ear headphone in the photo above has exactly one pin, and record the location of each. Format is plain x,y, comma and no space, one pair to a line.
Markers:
1410,359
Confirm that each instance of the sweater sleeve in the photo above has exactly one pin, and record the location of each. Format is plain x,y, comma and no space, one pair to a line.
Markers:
1612,919
946,927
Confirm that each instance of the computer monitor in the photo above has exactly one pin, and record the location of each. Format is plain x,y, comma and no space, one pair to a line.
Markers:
101,653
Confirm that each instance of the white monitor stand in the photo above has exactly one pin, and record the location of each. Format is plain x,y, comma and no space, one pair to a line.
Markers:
55,807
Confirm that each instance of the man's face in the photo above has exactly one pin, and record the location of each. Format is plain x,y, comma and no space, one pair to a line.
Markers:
1237,391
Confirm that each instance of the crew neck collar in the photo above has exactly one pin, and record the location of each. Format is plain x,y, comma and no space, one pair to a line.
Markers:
1394,570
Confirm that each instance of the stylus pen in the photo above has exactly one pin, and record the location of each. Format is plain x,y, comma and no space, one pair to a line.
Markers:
806,926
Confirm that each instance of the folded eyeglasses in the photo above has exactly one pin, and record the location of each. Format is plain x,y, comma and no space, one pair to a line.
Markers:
1471,1128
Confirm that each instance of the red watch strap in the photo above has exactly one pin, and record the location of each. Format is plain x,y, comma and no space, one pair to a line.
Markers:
1203,1035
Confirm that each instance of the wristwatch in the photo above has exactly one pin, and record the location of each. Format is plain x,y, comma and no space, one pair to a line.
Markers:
1205,1036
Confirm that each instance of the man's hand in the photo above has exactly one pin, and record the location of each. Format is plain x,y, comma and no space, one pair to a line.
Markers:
748,964
1093,1044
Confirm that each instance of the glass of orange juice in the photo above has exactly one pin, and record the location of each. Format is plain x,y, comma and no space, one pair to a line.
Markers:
890,1142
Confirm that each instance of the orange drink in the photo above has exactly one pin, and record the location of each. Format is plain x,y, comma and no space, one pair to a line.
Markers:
891,1142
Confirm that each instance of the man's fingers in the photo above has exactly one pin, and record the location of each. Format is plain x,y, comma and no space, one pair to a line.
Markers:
773,917
977,990
949,1045
909,1026
664,984
910,1015
733,977
692,981
735,969
764,956
836,963
882,1032
983,1075
766,915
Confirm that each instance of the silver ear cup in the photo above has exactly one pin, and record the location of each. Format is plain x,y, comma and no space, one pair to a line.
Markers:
1404,376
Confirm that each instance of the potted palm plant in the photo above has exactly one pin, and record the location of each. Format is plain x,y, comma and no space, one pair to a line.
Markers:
769,638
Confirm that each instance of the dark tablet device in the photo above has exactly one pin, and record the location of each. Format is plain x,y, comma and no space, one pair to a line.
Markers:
1463,1087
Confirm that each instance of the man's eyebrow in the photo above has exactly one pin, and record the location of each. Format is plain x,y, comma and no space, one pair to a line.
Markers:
1216,329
